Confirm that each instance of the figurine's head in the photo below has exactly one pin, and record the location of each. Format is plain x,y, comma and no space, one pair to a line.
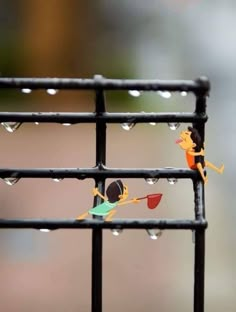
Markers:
116,191
189,139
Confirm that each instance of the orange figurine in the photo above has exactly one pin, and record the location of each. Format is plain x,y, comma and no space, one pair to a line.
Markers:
191,142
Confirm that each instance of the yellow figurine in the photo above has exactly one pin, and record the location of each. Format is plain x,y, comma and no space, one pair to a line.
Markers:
191,142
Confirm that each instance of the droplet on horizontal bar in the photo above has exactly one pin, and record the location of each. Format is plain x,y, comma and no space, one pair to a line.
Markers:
154,234
66,124
134,93
26,90
128,125
11,180
52,91
116,232
173,125
45,230
165,94
36,123
172,181
57,179
151,181
183,93
11,126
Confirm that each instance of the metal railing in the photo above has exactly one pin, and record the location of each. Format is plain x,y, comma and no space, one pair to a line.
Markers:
100,172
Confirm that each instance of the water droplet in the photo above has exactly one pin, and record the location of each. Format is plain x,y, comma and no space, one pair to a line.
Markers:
151,181
52,91
154,234
57,179
134,93
26,90
165,94
44,230
11,126
172,181
173,125
127,125
66,124
11,180
116,232
152,123
36,123
183,93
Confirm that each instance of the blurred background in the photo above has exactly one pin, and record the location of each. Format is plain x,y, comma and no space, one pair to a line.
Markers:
165,39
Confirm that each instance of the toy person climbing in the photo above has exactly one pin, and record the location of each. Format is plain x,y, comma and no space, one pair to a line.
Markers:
191,142
116,193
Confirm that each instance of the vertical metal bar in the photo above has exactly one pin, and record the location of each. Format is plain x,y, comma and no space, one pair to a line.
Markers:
97,233
199,248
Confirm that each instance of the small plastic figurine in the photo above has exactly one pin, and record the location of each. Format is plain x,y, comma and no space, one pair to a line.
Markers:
116,193
191,142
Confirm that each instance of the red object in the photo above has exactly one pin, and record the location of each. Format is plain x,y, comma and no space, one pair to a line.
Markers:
178,141
152,200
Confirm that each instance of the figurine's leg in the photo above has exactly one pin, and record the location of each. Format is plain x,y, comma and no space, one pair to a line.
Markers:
200,169
110,215
82,216
213,167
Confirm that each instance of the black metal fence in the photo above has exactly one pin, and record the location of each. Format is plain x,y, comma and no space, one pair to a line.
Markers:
100,172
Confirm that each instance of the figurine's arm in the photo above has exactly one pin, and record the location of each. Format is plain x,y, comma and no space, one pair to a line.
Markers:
132,201
201,153
96,192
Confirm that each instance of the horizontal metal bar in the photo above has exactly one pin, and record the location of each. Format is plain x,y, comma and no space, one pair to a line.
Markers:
94,173
199,85
100,224
72,118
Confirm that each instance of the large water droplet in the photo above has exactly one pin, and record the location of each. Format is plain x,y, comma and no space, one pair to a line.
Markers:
36,123
11,126
116,232
134,93
172,181
128,125
183,93
173,125
154,234
151,181
11,180
66,124
52,91
26,90
44,230
152,123
165,94
57,179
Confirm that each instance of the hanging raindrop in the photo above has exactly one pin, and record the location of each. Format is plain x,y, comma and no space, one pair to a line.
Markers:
116,232
57,179
44,230
173,125
36,123
26,90
52,91
11,180
66,124
152,123
154,234
134,93
128,125
11,126
165,94
151,181
183,93
172,181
